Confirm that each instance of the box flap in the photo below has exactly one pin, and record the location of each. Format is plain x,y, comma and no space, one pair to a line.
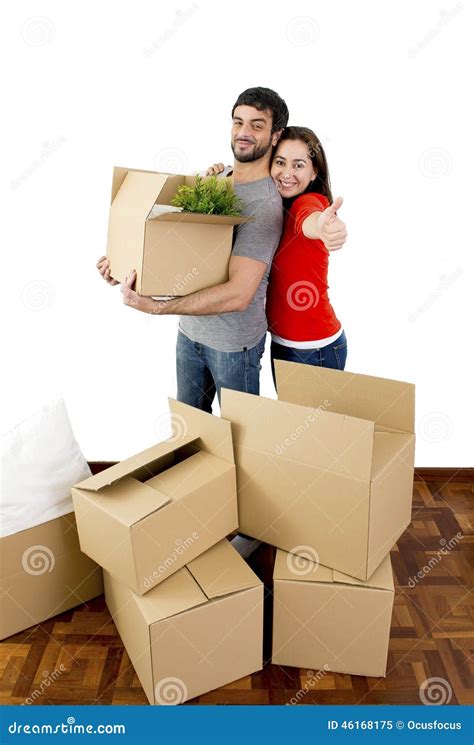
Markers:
381,579
390,403
196,472
119,174
387,447
138,192
302,434
299,569
199,218
130,501
292,567
221,571
214,433
176,594
128,466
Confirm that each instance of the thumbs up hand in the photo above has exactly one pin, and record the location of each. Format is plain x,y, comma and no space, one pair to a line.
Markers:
331,228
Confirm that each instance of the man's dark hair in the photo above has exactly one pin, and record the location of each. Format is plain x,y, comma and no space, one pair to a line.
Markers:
264,99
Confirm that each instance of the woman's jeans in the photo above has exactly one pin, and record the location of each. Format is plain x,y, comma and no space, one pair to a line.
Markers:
202,371
334,355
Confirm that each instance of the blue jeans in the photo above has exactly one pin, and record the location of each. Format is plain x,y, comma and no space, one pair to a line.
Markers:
202,371
334,355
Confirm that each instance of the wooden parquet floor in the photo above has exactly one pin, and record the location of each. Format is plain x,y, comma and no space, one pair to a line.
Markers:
432,634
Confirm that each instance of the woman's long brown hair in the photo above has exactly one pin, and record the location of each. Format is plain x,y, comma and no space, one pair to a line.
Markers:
321,184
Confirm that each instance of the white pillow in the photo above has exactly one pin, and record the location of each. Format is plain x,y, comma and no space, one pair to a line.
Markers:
39,462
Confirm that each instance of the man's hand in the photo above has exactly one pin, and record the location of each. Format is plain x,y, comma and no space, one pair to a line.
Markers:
103,265
331,229
215,169
132,299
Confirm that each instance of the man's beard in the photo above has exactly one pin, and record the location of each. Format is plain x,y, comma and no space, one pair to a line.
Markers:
255,154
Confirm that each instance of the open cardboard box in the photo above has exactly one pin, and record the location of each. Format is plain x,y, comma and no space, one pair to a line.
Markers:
199,630
43,573
328,467
173,253
326,620
146,517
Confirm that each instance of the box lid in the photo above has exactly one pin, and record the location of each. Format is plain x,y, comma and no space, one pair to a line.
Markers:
388,403
213,433
199,218
302,434
129,500
174,595
387,448
299,569
218,572
128,466
137,191
221,570
189,475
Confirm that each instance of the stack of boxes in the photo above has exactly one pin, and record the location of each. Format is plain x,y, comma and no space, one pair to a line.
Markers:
325,474
157,524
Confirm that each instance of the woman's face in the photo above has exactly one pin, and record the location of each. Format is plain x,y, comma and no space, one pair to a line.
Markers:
292,168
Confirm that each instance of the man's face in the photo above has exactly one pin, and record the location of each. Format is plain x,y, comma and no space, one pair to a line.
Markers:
252,134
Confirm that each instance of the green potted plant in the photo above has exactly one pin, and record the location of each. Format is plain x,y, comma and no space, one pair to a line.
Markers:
209,196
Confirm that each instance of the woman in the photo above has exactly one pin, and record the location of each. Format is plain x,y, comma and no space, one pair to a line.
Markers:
301,319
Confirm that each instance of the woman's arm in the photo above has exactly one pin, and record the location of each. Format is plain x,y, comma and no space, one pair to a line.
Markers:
326,227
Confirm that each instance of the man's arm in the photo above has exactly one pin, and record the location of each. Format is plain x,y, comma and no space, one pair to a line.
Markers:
245,275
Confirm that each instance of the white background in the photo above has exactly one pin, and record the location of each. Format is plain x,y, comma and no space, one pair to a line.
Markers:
387,88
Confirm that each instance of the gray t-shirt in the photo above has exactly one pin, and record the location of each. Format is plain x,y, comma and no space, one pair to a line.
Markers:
257,239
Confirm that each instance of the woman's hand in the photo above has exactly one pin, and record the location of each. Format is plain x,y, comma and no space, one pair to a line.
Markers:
215,169
332,230
103,265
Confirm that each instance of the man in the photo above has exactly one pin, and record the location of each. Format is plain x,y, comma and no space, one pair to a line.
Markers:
222,329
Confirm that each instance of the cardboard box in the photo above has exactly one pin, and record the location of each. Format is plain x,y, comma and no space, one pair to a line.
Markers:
328,468
175,253
325,620
44,573
199,630
146,517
